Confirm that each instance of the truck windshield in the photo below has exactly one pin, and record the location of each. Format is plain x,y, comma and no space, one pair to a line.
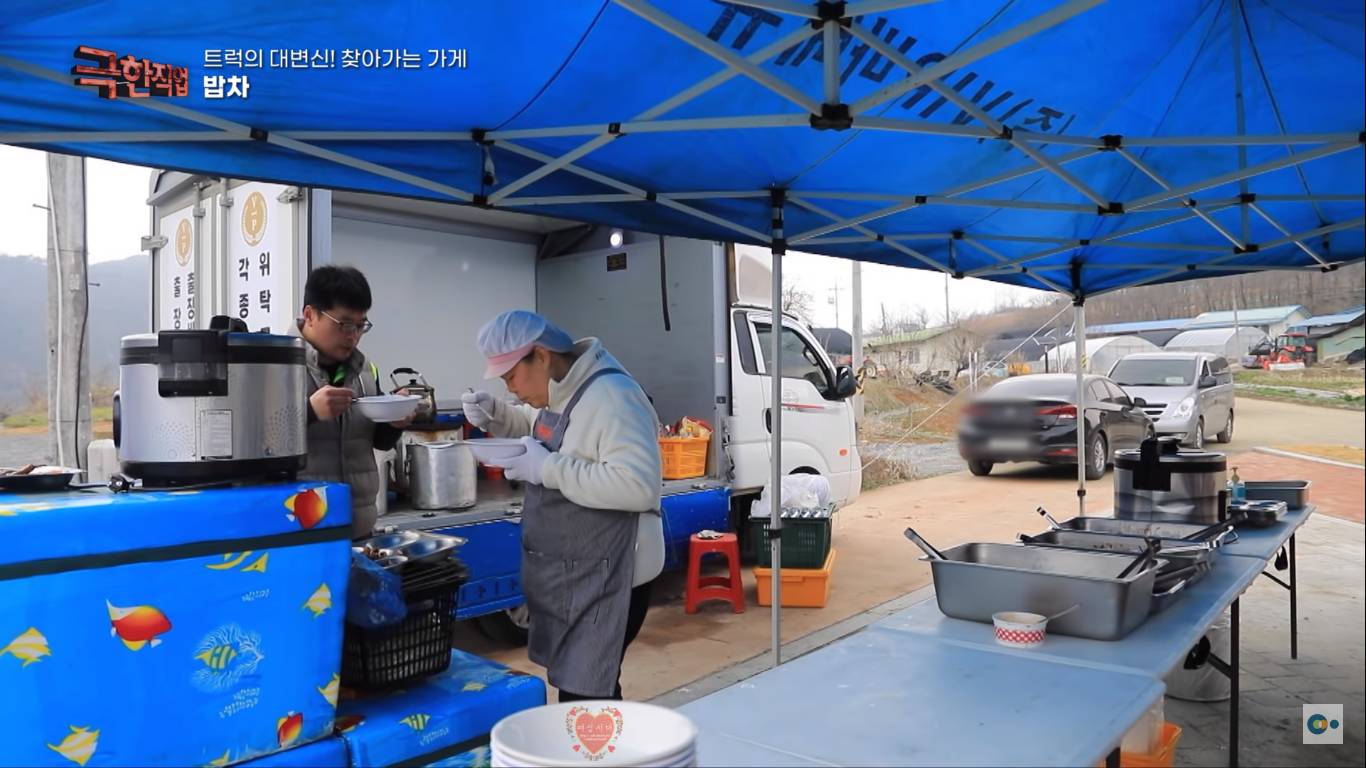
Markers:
1153,373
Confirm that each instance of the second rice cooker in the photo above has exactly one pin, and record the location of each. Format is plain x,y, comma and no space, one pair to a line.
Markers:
1160,481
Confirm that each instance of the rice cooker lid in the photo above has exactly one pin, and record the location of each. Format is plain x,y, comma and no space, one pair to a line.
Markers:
210,346
1182,461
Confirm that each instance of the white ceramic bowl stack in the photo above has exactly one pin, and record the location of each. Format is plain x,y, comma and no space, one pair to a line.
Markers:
643,735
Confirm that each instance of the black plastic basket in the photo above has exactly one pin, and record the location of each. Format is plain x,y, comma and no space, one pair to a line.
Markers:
417,647
806,542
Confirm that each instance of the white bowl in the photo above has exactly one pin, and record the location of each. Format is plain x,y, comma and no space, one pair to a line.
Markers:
1017,629
386,408
495,448
643,734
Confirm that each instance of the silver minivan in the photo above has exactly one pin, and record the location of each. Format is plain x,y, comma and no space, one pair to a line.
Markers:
1189,394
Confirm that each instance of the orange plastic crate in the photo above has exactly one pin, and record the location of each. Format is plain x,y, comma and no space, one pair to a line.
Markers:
1164,757
802,587
683,457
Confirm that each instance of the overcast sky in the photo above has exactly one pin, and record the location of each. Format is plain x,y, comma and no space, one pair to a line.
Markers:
118,218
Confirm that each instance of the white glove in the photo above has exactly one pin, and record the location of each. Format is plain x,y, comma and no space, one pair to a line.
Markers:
525,467
478,407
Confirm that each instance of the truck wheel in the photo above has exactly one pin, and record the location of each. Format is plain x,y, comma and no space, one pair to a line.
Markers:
1226,434
980,467
1097,457
509,626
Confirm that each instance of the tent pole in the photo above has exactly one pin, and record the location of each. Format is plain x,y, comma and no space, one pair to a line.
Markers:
1079,334
1235,26
775,492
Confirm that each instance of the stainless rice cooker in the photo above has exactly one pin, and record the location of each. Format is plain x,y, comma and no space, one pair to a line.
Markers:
1159,481
210,406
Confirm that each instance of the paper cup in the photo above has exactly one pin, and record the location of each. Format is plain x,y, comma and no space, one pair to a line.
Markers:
1018,629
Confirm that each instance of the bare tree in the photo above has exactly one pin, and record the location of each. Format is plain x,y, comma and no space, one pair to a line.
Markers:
798,302
922,317
959,346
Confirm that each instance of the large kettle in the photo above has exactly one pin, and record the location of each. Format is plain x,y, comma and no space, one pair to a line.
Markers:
441,475
417,385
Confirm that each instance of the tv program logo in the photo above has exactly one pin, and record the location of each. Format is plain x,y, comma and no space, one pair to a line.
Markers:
1322,723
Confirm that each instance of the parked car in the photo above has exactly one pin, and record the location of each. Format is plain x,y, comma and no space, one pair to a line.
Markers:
1188,394
1034,418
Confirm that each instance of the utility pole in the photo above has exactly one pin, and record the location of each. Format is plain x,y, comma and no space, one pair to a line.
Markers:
856,349
948,320
68,361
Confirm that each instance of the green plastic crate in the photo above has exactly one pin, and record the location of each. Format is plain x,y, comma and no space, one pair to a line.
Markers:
806,542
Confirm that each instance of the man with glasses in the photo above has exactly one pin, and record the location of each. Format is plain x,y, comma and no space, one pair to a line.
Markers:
341,442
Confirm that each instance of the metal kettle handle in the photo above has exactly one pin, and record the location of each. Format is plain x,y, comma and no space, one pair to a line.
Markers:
393,376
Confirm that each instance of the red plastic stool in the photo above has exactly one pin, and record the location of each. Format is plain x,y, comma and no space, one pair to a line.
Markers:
700,589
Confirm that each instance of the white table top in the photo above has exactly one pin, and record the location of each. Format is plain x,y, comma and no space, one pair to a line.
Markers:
919,688
884,697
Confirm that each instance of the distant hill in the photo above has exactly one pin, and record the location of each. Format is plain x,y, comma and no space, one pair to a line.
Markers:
119,305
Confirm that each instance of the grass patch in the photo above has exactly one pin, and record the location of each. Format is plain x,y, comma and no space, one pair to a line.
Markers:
1344,402
25,419
1344,453
883,472
892,409
1326,378
37,419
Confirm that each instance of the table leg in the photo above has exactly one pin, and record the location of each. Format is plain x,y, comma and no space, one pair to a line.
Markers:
1294,605
1234,663
1112,759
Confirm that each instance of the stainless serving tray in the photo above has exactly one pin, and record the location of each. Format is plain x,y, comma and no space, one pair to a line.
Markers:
1180,553
976,580
1295,493
1142,528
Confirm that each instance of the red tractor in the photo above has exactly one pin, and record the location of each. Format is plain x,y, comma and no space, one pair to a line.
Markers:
1290,347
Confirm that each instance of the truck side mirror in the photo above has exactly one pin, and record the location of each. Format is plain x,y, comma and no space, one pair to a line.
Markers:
846,386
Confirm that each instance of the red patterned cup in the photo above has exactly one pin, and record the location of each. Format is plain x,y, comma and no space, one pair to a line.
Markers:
1019,630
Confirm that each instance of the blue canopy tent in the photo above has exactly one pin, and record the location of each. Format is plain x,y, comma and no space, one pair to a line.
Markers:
1073,146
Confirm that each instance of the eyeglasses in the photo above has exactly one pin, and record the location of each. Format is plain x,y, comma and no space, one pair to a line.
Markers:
350,329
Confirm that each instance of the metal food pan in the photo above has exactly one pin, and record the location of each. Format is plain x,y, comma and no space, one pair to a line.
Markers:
1295,493
430,547
1177,552
1260,513
976,580
1142,528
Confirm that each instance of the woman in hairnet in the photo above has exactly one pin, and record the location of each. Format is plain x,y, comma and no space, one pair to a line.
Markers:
592,536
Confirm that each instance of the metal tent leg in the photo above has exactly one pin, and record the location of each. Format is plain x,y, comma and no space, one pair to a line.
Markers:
1294,605
1234,662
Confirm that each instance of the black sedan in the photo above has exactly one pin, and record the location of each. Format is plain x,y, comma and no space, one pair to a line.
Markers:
1034,418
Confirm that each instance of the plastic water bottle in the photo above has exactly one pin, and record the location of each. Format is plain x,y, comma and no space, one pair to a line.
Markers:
1237,490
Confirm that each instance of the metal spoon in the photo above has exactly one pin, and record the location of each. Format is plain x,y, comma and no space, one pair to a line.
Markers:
1060,614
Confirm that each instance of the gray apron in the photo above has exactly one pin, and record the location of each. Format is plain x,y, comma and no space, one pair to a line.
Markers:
577,567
